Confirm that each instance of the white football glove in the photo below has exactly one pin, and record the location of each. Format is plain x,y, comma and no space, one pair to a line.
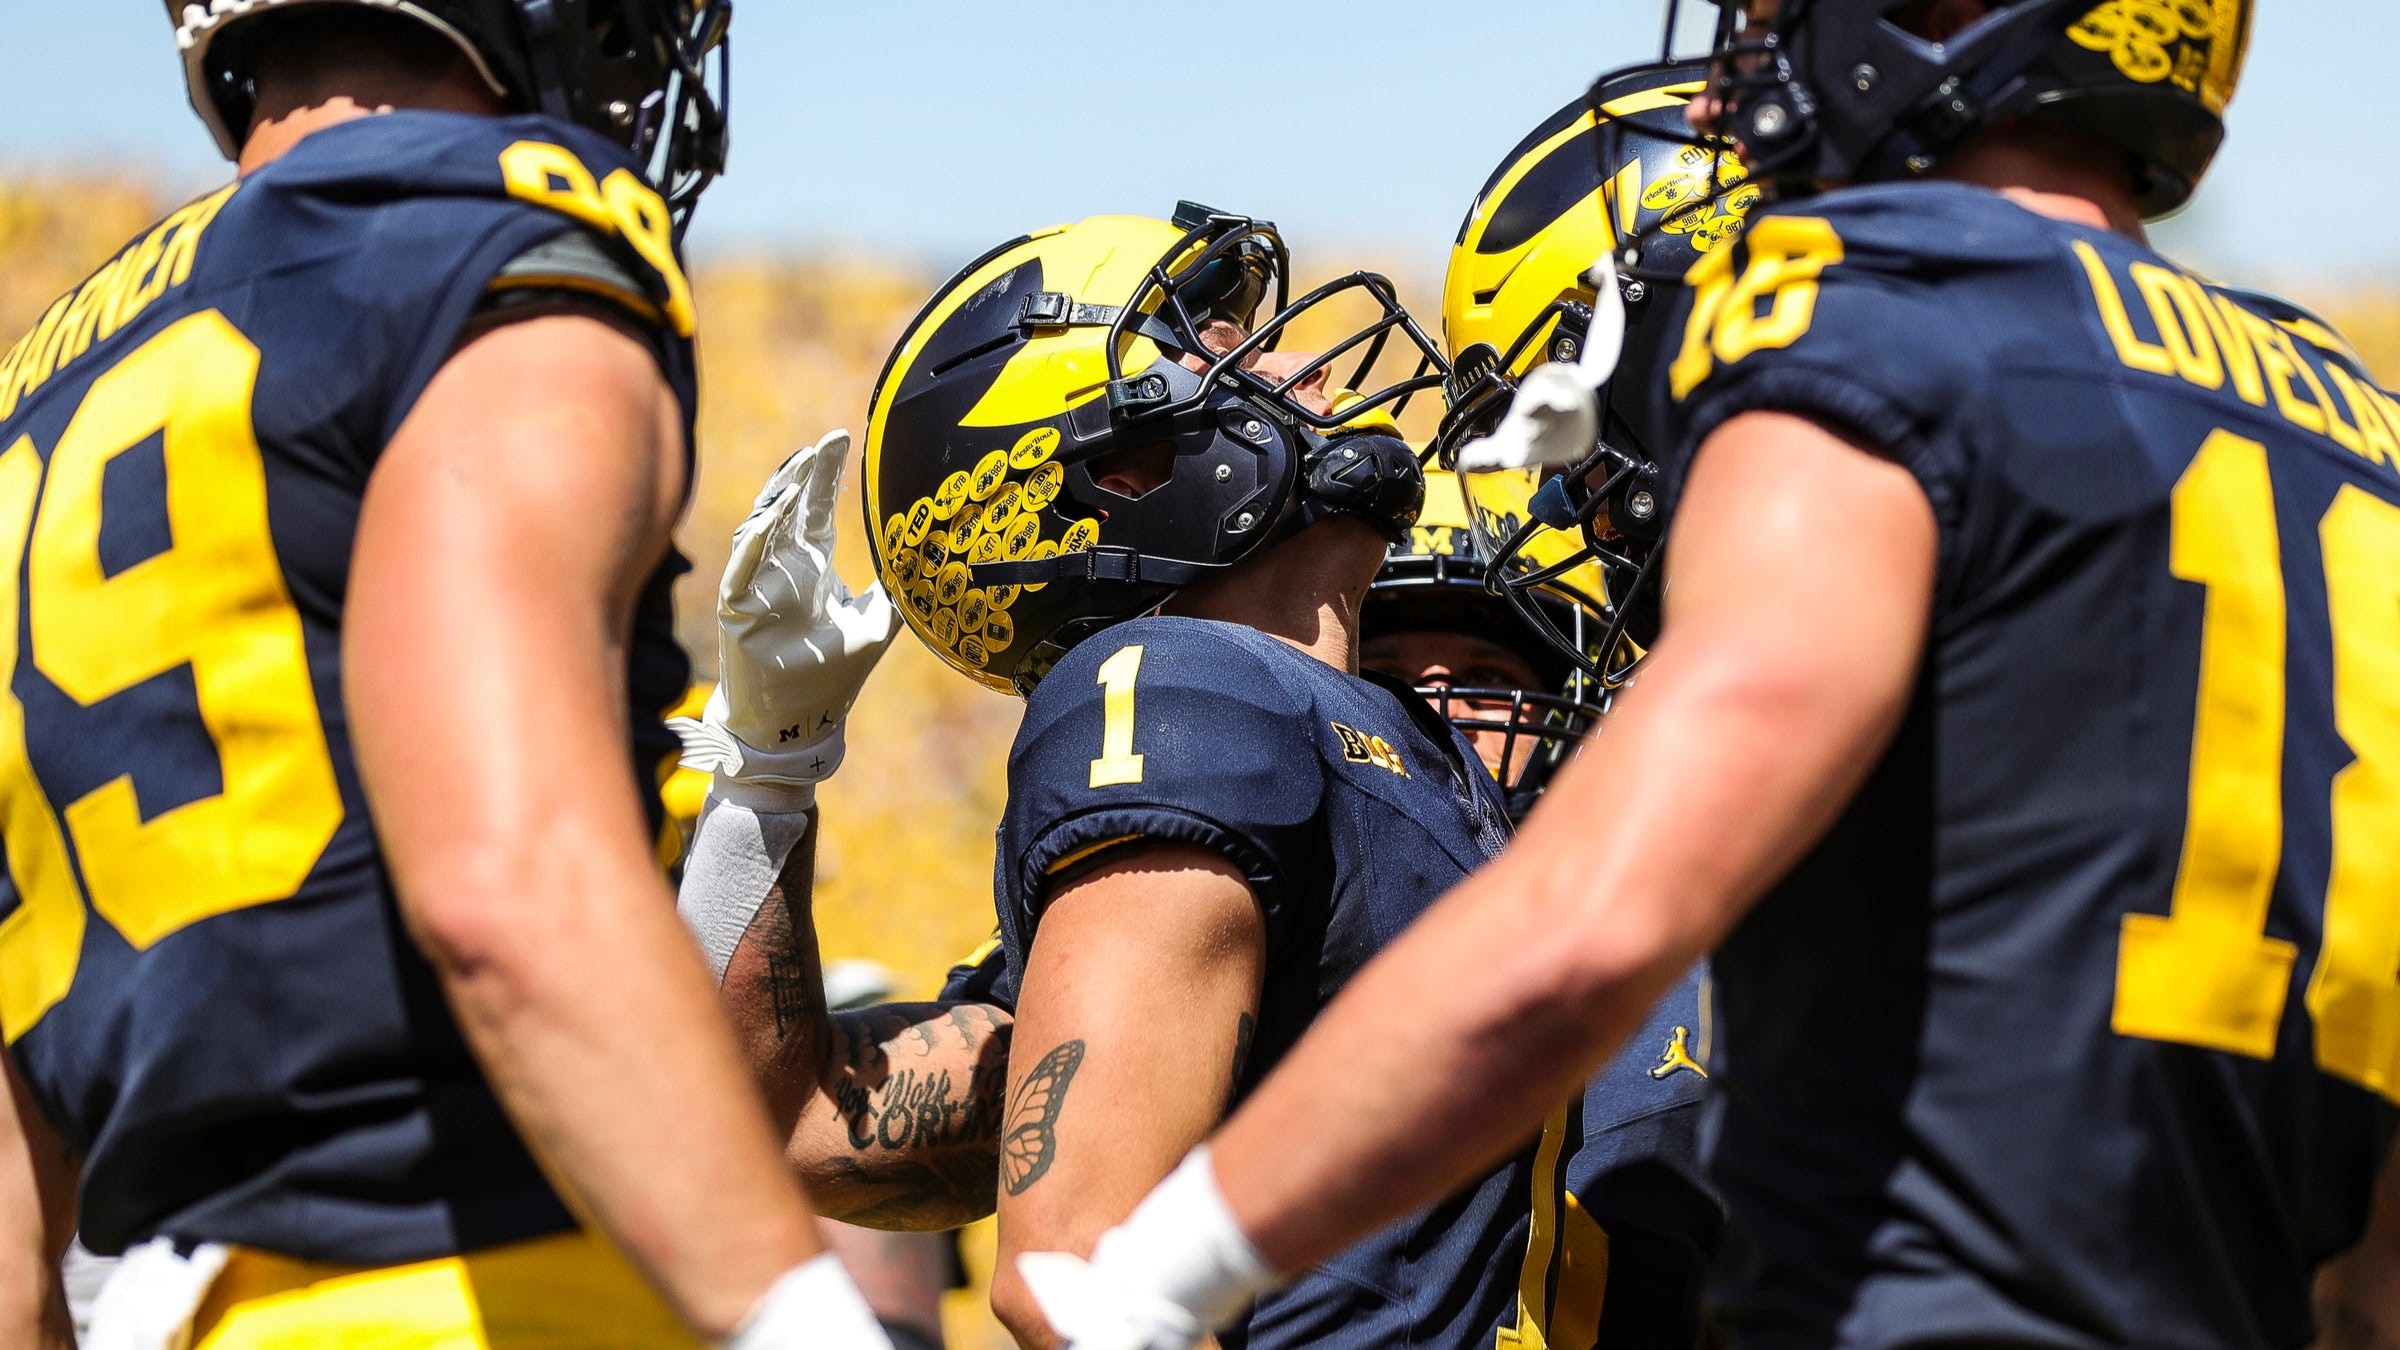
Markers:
1094,1312
1178,1268
1554,419
793,645
813,1307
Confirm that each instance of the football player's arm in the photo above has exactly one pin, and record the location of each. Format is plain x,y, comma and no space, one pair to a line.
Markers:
2358,1294
504,539
1803,579
37,1197
1131,1016
893,1111
1772,692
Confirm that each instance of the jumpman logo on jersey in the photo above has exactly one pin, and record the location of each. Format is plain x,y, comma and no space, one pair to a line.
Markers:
1678,1057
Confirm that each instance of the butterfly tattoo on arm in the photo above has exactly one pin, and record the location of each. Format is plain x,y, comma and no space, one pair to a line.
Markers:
1029,1139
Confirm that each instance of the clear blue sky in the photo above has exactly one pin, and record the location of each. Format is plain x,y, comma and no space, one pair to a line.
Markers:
934,128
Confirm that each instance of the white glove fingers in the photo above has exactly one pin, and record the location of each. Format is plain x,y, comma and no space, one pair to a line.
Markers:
822,488
750,545
794,467
868,619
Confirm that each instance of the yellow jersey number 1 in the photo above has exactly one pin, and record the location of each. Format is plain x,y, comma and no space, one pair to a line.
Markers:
214,602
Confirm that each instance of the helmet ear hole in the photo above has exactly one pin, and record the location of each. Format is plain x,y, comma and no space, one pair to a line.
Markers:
1135,472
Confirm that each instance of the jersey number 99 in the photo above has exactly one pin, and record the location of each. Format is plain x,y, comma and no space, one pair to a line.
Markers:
214,602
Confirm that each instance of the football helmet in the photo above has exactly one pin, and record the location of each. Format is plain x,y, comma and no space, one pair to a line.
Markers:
1622,171
1433,580
1125,337
1836,91
654,75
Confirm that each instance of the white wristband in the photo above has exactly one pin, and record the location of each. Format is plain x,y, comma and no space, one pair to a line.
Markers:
814,1306
1183,1244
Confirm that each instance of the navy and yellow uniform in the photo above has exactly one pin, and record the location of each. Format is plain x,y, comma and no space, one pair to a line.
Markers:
1350,807
1621,1260
2080,1026
203,975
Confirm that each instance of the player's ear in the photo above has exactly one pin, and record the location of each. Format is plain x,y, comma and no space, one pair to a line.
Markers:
1137,472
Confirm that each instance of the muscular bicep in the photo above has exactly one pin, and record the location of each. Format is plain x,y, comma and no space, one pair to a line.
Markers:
505,535
1801,577
1137,995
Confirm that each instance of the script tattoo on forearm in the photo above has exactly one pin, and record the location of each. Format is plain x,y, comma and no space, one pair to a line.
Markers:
795,991
1031,1143
906,1108
917,1091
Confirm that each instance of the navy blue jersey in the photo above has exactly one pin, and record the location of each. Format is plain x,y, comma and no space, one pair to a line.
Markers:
1622,1260
2080,1026
202,972
1351,808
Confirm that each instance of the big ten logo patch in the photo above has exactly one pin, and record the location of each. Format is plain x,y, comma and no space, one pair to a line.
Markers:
1360,748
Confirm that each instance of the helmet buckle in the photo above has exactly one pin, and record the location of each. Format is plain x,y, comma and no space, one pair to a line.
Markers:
1057,309
1136,396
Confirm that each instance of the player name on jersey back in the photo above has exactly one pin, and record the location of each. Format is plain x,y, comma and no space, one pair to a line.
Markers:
2170,324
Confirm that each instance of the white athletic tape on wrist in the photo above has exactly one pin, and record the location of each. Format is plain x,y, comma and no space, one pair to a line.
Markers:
813,1307
738,851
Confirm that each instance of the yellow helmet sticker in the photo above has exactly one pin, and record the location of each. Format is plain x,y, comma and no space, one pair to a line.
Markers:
951,496
989,475
2198,44
1021,538
1034,448
1002,512
950,585
1044,486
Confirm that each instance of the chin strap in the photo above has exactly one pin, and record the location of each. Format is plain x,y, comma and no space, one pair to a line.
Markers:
1123,565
